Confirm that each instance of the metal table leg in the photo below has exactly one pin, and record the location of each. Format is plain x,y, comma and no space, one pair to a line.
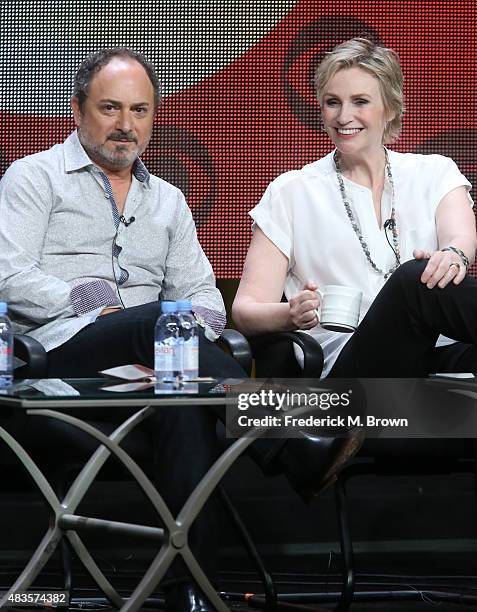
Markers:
64,522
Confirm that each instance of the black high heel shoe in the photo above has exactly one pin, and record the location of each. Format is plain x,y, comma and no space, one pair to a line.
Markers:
312,463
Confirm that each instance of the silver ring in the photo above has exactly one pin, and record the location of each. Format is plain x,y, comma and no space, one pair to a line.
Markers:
454,263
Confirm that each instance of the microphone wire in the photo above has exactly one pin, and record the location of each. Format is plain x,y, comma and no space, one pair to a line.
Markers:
390,224
127,223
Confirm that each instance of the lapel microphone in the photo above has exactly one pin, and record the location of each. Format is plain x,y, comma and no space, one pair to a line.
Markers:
388,224
127,222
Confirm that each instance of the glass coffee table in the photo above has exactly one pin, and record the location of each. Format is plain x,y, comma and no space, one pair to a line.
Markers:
70,401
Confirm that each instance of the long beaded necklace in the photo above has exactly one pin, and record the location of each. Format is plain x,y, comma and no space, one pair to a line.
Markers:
355,225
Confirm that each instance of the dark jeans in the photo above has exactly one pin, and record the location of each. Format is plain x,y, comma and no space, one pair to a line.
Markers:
184,438
126,336
397,336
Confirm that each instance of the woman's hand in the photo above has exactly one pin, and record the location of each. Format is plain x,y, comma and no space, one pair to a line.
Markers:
303,307
442,268
455,225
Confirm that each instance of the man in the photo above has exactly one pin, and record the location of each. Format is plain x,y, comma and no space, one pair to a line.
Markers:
88,241
87,232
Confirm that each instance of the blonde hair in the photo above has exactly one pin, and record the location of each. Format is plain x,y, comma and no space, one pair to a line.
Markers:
380,62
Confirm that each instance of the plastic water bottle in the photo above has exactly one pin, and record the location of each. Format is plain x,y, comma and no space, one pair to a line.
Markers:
168,345
6,347
188,331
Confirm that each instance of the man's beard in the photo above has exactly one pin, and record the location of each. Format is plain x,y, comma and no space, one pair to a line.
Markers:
119,157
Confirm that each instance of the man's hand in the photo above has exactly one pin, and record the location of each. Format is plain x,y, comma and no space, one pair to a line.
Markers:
109,309
303,307
442,268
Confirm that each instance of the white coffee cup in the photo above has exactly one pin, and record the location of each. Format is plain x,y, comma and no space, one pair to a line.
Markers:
340,307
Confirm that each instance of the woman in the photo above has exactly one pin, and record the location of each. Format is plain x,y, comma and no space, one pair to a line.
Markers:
352,218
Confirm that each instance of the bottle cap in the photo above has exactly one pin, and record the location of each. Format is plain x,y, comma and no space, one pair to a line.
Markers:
167,307
184,305
3,307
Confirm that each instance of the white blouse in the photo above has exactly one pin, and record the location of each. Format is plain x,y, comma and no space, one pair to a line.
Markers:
303,214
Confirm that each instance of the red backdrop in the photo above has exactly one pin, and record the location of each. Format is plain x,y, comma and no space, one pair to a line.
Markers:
225,137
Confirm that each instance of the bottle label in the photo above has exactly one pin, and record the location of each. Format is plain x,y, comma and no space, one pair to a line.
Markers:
5,357
168,356
191,356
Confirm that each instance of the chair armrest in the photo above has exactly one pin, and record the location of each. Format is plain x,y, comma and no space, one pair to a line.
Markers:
33,354
237,345
275,356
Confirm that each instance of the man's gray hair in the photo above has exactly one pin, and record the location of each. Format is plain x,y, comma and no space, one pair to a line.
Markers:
94,62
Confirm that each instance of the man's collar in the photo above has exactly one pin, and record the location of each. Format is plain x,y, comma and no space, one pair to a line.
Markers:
140,171
76,158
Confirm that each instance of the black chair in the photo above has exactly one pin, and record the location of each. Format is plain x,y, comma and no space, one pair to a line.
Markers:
274,357
30,357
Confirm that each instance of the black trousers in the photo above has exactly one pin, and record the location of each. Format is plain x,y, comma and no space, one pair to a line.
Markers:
397,336
184,438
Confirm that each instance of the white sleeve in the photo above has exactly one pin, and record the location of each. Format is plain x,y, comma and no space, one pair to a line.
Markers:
273,215
448,177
